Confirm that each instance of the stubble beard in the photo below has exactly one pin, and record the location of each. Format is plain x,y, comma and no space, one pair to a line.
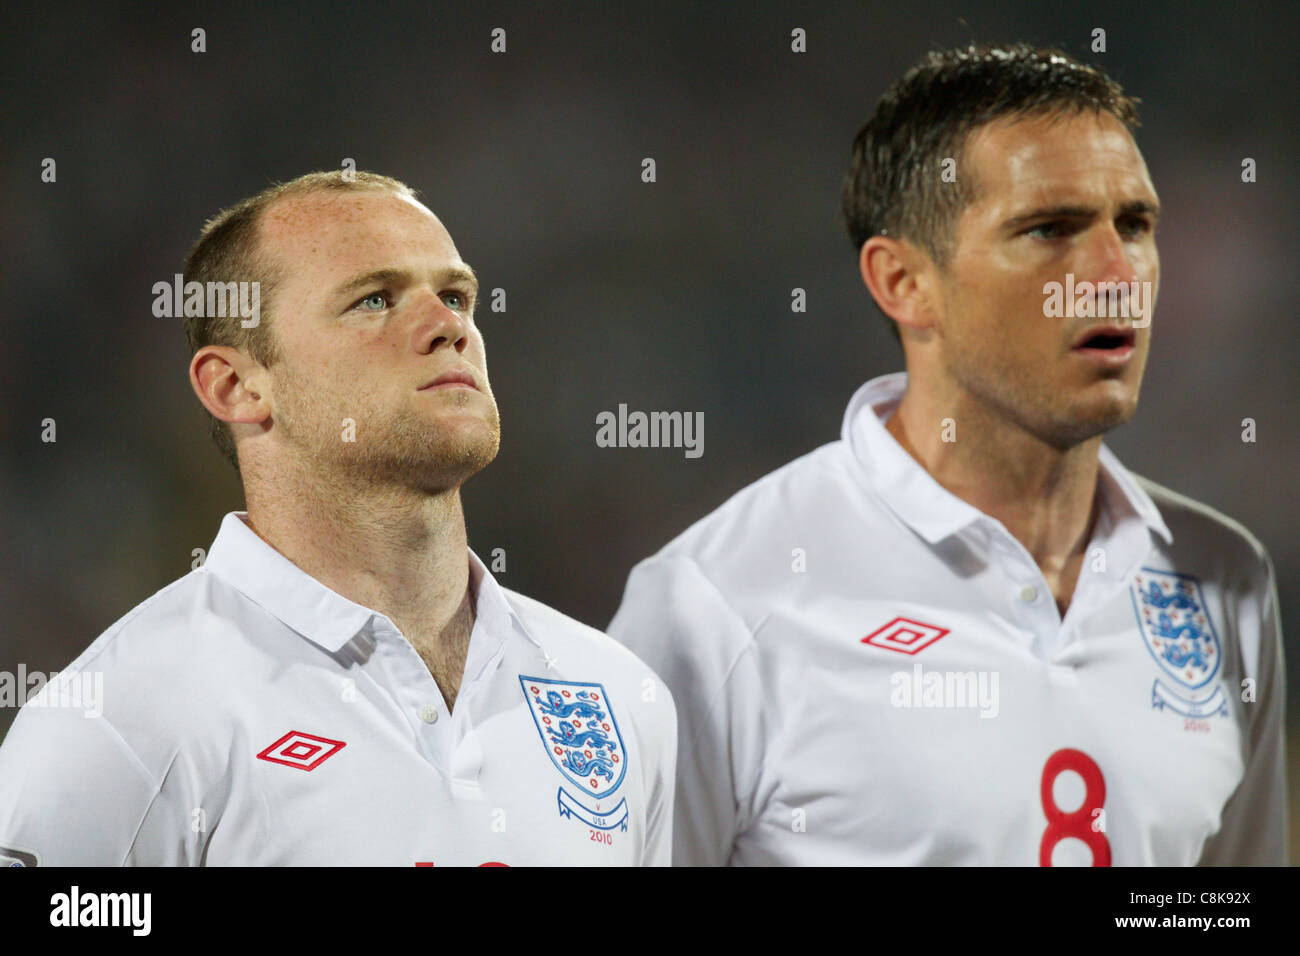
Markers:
1018,395
399,450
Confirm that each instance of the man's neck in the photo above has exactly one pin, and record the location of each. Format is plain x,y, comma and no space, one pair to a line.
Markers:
399,552
1046,498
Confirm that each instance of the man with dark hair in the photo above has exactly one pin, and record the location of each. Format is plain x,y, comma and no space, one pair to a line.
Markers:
964,633
343,681
902,171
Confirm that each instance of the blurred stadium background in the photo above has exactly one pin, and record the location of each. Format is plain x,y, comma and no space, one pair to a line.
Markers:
672,296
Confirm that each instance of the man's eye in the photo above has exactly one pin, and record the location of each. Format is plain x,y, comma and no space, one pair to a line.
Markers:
1136,226
1046,230
456,300
378,299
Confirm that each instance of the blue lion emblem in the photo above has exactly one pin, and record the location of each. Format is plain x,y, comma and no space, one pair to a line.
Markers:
1157,598
597,766
1176,654
556,707
566,734
576,723
1177,630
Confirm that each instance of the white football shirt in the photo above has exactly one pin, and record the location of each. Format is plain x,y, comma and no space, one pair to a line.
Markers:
252,716
869,670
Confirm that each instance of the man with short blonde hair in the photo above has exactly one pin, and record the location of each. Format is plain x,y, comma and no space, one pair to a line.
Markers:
343,681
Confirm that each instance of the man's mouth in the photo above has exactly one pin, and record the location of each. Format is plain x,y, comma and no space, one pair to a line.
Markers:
453,379
1111,344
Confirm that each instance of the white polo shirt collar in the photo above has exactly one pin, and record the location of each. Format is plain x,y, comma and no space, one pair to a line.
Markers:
929,509
326,618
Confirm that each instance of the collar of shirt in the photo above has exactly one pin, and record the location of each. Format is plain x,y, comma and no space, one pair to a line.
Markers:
932,511
266,577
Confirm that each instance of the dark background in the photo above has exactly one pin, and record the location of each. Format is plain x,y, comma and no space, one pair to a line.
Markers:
666,296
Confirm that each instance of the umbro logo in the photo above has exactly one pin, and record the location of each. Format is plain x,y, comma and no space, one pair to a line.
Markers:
905,636
304,751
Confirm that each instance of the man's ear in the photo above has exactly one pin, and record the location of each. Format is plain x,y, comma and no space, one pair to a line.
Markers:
230,384
900,277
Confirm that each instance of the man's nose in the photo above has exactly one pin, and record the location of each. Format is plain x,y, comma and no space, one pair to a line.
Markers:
438,324
1109,259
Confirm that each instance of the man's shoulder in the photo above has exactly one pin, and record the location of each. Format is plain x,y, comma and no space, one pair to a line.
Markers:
151,629
1198,527
795,495
144,678
545,623
747,544
174,653
586,653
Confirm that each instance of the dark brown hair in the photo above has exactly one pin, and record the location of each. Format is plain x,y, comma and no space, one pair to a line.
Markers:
894,184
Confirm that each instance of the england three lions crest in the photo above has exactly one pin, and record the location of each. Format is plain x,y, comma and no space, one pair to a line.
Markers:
1179,635
578,728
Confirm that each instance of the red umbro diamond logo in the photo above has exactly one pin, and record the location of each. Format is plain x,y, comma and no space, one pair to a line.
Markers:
304,751
905,636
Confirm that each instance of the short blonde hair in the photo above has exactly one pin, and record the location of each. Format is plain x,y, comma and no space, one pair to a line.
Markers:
229,250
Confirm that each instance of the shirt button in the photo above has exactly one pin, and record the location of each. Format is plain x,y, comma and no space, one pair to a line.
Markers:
1028,594
429,714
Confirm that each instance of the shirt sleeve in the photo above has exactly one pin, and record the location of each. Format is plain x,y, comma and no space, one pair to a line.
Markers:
1253,830
71,792
676,621
659,816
